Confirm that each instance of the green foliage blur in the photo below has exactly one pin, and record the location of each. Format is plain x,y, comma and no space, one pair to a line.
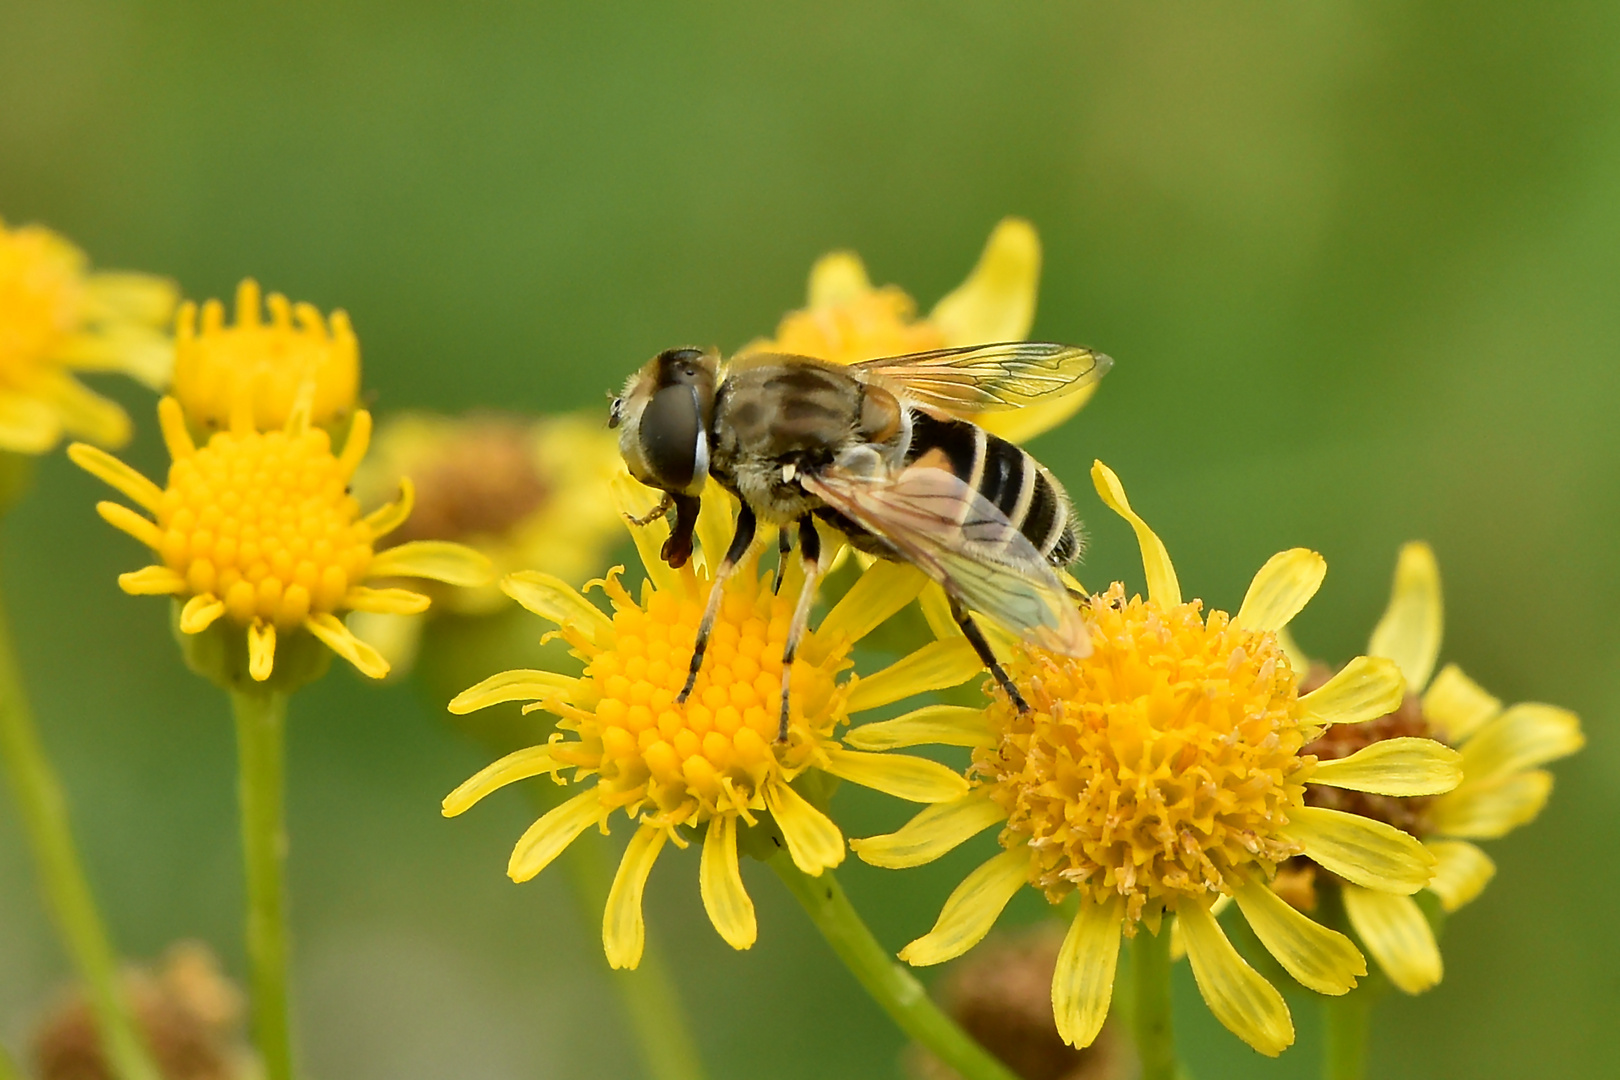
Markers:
1359,265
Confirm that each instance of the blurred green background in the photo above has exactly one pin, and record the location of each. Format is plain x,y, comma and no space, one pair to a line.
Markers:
1359,265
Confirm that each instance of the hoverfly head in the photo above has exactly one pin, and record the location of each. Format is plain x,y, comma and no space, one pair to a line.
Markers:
663,416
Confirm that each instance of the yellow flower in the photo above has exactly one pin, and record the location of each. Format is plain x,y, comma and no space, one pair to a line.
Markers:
216,365
258,528
712,763
1162,772
848,320
56,317
1503,785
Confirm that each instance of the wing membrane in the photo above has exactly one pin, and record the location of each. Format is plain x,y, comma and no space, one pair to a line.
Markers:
963,541
989,378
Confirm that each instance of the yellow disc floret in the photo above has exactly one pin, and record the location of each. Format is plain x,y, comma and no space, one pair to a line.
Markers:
1156,766
263,365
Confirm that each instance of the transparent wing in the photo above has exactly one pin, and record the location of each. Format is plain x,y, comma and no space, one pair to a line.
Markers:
988,378
963,541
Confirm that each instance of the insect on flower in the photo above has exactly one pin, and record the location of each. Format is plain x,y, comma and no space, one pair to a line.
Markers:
886,452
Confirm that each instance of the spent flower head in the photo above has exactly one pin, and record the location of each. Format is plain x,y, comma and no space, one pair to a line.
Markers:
58,318
847,319
710,766
1503,784
1165,771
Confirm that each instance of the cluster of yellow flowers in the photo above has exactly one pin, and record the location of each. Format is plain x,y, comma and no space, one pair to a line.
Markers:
1194,758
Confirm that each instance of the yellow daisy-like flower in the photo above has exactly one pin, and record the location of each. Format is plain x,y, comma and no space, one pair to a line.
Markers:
258,528
1160,773
56,317
1503,785
712,763
848,320
267,363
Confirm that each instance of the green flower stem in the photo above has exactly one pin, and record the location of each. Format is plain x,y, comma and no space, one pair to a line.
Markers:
889,982
1150,1008
1347,1020
43,807
261,754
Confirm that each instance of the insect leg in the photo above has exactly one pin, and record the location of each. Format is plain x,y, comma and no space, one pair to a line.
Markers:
975,636
810,552
678,548
654,514
784,548
741,541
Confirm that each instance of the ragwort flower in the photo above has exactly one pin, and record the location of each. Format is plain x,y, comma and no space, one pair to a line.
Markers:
270,364
258,529
56,318
713,763
1163,771
848,320
1503,785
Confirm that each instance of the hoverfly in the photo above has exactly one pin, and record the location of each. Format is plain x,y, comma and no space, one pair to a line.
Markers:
887,453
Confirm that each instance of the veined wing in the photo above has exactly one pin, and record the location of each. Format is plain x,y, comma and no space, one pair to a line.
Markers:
963,541
977,379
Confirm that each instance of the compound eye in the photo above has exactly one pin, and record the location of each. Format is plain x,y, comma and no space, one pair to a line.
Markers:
673,442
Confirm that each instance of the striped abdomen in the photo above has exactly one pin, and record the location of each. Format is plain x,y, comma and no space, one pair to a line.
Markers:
1016,483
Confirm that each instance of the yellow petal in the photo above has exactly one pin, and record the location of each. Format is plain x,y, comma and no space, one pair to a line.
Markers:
438,560
1364,689
936,609
1457,705
997,301
876,595
385,519
937,829
519,684
1281,589
933,667
939,725
1409,632
971,910
624,931
128,521
1249,1006
1296,655
1461,872
550,597
720,882
906,777
176,435
1365,851
1178,945
261,639
717,521
634,499
27,425
354,447
1397,935
86,414
331,630
519,765
1402,766
812,839
1321,959
1083,980
1521,738
153,581
199,613
108,469
1160,572
385,601
1487,811
545,839
837,278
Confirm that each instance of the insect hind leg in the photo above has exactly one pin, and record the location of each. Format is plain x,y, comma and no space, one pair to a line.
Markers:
810,551
741,541
975,636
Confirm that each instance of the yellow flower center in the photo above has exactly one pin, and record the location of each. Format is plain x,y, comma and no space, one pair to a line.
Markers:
263,365
41,297
1155,767
262,520
873,323
714,752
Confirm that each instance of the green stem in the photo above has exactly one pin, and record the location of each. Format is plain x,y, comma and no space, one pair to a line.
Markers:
1347,1019
261,787
1150,1009
890,984
43,807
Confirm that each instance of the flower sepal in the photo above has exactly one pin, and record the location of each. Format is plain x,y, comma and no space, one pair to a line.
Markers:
219,653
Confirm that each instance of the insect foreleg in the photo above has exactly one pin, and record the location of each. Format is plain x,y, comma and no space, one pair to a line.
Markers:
784,548
975,636
810,551
741,541
654,514
678,548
